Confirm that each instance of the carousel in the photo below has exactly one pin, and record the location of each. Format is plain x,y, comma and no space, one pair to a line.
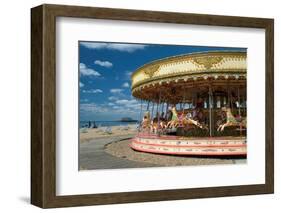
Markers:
192,104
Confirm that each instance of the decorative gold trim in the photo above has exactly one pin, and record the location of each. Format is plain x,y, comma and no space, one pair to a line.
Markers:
193,74
203,68
194,78
208,61
189,57
150,71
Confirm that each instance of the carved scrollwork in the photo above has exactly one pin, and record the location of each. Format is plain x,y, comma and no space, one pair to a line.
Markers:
209,61
151,70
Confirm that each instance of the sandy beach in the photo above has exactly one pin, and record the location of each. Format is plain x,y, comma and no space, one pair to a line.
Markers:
92,150
108,148
93,142
88,134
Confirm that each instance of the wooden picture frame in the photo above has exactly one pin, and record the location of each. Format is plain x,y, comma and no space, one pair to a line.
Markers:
43,105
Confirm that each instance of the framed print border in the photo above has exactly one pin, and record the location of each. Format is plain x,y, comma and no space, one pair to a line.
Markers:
43,105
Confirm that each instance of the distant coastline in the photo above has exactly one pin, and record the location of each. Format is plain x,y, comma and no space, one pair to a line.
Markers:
128,119
107,123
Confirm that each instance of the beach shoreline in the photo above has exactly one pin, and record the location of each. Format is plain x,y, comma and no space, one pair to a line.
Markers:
90,134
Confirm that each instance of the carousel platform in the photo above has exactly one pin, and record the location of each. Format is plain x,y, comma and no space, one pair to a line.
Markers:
175,145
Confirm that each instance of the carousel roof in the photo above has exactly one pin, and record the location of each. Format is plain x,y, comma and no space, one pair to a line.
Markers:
179,75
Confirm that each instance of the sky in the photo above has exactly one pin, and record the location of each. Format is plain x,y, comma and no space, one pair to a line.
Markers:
104,75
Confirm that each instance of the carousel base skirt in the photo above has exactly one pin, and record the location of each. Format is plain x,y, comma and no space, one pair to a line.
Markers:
174,145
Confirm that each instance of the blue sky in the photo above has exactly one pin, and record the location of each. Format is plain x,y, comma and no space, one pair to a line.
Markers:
104,75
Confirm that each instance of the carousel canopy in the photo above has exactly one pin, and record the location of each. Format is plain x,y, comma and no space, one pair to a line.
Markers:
176,78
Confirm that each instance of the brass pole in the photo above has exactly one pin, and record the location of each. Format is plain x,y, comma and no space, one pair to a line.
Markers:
158,121
210,111
152,110
140,116
239,111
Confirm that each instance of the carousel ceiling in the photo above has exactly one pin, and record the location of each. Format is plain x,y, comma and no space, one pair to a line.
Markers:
179,77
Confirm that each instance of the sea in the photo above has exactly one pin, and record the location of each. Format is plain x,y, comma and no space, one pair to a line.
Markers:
105,123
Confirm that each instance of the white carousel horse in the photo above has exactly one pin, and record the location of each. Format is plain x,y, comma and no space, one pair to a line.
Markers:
175,122
155,126
189,121
231,121
145,124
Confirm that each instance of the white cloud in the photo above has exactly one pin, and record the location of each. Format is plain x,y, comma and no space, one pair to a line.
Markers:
84,70
127,102
81,84
124,101
109,110
92,91
84,100
106,64
93,108
126,84
131,106
116,107
112,98
118,91
114,46
128,75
